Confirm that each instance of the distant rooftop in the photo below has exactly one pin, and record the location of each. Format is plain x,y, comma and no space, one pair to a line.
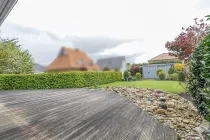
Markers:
111,62
163,56
69,59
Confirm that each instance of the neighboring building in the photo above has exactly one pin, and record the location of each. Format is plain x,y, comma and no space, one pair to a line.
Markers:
71,59
164,57
5,8
113,63
163,61
149,70
38,68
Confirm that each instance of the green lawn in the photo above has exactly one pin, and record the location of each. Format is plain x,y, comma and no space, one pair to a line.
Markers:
168,86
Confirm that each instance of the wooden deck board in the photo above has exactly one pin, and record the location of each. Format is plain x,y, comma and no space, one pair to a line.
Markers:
75,114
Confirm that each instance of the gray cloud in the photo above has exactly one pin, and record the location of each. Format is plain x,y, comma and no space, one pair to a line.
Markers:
96,44
132,58
45,45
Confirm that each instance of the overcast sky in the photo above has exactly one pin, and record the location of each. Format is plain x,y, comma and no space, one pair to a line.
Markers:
137,29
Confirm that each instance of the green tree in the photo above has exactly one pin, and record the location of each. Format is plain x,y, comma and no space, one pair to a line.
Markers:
14,60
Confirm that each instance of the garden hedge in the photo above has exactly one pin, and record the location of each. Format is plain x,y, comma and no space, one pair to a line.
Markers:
199,76
57,80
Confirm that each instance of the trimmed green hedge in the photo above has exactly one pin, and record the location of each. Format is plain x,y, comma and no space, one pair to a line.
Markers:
57,80
199,76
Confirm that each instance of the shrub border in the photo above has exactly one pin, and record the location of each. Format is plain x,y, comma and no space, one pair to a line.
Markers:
74,79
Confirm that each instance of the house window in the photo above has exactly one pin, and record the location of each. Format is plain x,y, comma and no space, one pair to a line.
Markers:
81,61
91,63
64,53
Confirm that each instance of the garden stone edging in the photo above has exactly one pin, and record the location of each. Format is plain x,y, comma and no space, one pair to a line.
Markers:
171,109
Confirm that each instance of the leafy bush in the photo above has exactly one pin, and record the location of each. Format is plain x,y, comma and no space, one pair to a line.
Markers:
83,69
173,76
171,70
116,70
178,66
126,74
161,75
134,79
106,69
167,77
134,70
181,76
138,76
130,78
57,80
159,70
198,85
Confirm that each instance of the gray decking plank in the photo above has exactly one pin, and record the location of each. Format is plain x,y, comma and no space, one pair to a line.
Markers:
77,114
69,120
51,104
49,117
107,125
124,123
148,129
93,121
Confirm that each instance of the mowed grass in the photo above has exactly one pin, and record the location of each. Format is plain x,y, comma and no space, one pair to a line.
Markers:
168,86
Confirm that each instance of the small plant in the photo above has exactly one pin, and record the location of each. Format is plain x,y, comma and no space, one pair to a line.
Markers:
122,79
107,69
138,76
134,70
83,69
130,78
159,70
171,70
161,75
116,70
126,75
181,76
179,137
178,66
134,79
174,77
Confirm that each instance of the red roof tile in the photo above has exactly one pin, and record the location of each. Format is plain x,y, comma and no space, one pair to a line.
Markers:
163,56
72,59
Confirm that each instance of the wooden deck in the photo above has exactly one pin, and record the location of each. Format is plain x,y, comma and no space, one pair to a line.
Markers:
75,114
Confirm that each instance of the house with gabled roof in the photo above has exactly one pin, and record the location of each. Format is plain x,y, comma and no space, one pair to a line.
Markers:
163,61
72,59
163,57
37,68
113,63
